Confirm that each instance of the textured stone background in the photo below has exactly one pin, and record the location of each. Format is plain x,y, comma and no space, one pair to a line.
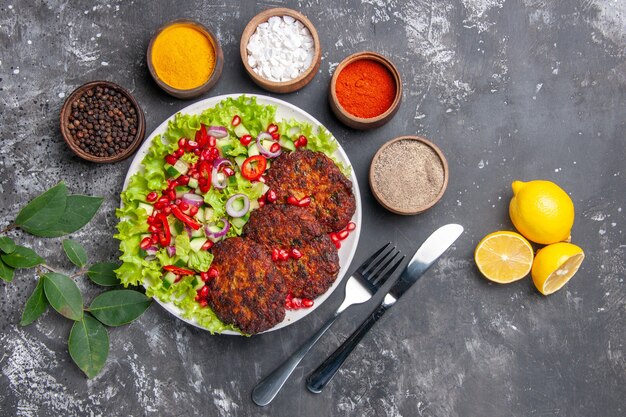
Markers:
509,89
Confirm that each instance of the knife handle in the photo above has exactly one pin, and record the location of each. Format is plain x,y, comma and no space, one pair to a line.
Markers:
317,380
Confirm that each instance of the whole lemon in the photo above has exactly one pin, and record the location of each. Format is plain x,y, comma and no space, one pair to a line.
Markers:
541,211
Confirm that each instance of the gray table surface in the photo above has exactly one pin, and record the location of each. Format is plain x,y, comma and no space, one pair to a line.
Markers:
509,89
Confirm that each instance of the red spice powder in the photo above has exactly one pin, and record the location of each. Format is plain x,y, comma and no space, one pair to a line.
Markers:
365,88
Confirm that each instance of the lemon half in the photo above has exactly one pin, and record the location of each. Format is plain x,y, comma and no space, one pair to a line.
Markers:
504,257
541,211
554,265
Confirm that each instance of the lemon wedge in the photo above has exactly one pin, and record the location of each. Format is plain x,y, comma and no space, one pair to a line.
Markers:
504,257
554,265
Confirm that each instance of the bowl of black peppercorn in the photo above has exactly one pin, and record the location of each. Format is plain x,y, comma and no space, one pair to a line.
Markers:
102,122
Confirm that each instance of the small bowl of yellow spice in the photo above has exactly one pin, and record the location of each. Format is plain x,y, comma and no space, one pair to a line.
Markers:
185,58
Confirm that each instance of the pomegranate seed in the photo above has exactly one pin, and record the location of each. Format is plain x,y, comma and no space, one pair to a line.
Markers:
193,210
178,153
292,200
214,153
197,151
289,297
271,196
206,154
338,244
197,298
167,209
245,140
228,171
304,202
154,239
307,302
150,220
145,243
182,142
212,141
343,234
192,144
261,203
207,245
288,305
152,229
295,253
204,276
183,205
275,255
272,128
152,196
350,227
162,201
203,303
236,120
283,254
302,141
213,272
183,180
171,159
297,302
204,291
275,147
275,135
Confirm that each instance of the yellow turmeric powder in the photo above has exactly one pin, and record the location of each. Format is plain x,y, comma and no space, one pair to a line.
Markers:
183,57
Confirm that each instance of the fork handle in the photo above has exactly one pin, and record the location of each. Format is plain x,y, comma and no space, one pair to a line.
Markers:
266,390
317,380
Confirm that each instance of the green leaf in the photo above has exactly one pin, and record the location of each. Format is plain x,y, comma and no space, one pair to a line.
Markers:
89,345
43,211
75,252
79,210
104,274
64,295
118,307
36,304
22,257
7,245
6,272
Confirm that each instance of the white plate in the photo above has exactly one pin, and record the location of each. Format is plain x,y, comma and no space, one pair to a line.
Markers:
284,110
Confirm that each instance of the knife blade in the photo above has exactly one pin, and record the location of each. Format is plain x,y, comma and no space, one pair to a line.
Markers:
425,256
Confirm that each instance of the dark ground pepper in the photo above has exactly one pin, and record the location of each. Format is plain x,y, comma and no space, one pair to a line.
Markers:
103,122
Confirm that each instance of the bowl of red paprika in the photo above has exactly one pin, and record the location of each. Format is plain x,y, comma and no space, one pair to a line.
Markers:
365,90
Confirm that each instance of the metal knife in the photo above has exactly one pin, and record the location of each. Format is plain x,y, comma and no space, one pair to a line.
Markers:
436,244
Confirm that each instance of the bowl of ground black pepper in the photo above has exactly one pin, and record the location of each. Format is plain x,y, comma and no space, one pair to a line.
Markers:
102,122
408,175
365,90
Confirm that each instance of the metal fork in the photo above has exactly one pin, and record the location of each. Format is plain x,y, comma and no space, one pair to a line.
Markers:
361,286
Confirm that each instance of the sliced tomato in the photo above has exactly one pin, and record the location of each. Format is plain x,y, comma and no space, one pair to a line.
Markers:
253,167
178,270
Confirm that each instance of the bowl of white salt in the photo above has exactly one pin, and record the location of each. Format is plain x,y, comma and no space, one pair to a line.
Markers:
408,175
280,50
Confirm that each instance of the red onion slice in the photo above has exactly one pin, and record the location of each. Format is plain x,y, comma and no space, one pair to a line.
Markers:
217,131
215,180
217,235
171,251
230,209
265,152
193,199
152,250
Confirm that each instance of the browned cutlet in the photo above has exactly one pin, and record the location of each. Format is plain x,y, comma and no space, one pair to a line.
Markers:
314,273
249,291
282,225
311,174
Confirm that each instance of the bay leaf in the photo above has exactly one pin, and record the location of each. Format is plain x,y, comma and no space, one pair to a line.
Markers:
64,295
44,210
79,210
103,274
89,345
36,304
6,272
118,307
22,257
7,245
75,252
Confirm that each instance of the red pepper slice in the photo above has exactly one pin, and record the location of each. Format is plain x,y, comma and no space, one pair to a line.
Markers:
253,167
204,169
164,235
202,137
178,270
189,221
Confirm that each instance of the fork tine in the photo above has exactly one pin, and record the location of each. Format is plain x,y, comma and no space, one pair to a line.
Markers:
371,259
382,278
379,261
376,277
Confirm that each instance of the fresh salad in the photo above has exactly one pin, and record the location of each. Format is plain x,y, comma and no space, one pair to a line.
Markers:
197,185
